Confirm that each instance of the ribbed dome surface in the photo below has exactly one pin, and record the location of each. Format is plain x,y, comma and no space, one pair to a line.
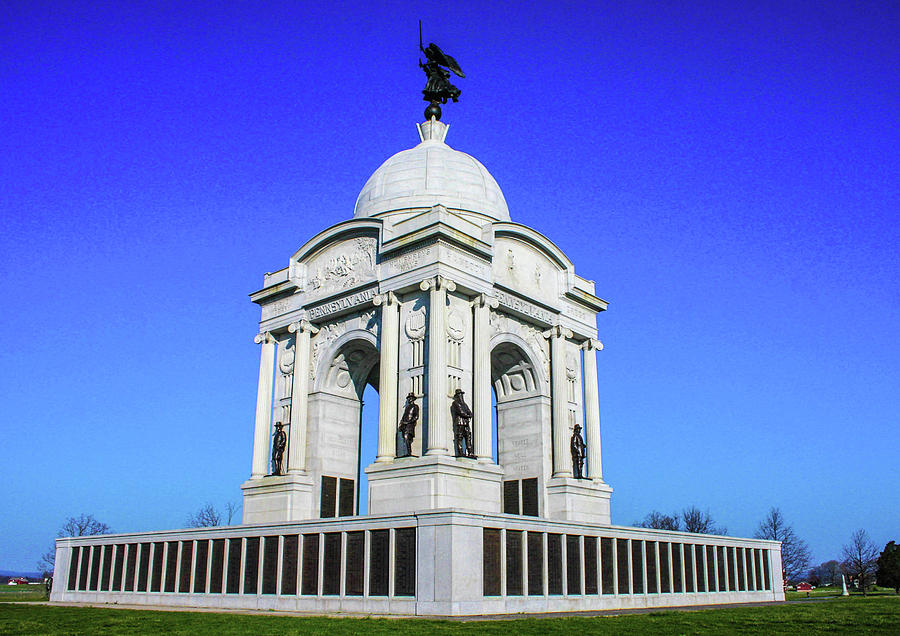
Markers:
432,173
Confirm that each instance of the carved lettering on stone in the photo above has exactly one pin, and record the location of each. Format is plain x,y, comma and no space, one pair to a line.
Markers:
342,303
270,310
411,260
464,262
524,307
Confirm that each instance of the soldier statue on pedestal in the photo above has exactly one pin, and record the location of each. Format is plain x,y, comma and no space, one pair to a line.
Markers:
578,449
462,431
407,428
279,442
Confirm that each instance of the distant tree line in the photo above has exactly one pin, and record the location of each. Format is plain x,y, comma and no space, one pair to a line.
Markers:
860,563
690,519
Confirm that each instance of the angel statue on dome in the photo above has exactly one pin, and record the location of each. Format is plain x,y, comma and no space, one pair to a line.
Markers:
438,88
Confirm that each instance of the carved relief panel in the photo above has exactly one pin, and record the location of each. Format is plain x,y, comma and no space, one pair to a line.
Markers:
337,267
521,267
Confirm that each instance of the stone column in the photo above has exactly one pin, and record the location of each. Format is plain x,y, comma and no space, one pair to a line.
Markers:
481,377
388,376
263,405
438,402
302,331
562,458
592,409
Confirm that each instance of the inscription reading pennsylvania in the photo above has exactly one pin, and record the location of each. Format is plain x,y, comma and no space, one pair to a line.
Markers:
524,307
342,303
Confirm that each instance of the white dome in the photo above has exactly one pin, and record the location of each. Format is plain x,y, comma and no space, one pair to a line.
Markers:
432,173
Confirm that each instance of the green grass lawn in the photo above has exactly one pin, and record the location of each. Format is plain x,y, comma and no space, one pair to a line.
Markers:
821,592
872,615
22,593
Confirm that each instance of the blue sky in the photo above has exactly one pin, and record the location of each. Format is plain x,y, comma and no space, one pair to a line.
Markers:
728,175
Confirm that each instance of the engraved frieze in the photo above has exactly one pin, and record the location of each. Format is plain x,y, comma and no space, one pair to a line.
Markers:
317,313
524,307
279,307
464,262
409,260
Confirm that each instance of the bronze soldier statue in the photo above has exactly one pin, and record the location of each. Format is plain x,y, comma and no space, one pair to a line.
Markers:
578,449
462,431
279,442
407,428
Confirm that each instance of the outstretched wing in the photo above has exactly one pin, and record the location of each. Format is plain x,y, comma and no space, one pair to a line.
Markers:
443,59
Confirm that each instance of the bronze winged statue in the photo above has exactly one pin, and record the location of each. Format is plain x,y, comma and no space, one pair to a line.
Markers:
438,88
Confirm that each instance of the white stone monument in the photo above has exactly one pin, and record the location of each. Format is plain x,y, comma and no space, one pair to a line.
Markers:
430,289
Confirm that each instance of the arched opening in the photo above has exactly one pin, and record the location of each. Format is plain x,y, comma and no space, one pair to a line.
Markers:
521,422
368,444
344,424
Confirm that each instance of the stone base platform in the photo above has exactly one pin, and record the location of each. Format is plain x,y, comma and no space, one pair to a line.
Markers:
434,563
278,498
434,482
582,500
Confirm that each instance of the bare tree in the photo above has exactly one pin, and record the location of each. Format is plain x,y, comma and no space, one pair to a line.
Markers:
231,509
794,551
206,517
81,526
695,520
859,559
660,521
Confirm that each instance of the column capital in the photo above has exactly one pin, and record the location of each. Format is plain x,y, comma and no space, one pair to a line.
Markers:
483,300
556,331
436,283
264,337
387,298
592,344
303,326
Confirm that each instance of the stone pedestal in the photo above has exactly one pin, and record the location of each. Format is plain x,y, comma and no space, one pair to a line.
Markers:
582,500
278,498
412,484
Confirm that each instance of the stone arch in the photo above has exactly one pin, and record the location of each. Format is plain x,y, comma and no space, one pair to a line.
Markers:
516,371
348,364
523,423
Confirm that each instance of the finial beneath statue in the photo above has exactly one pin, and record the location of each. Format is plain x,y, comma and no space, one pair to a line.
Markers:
438,88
